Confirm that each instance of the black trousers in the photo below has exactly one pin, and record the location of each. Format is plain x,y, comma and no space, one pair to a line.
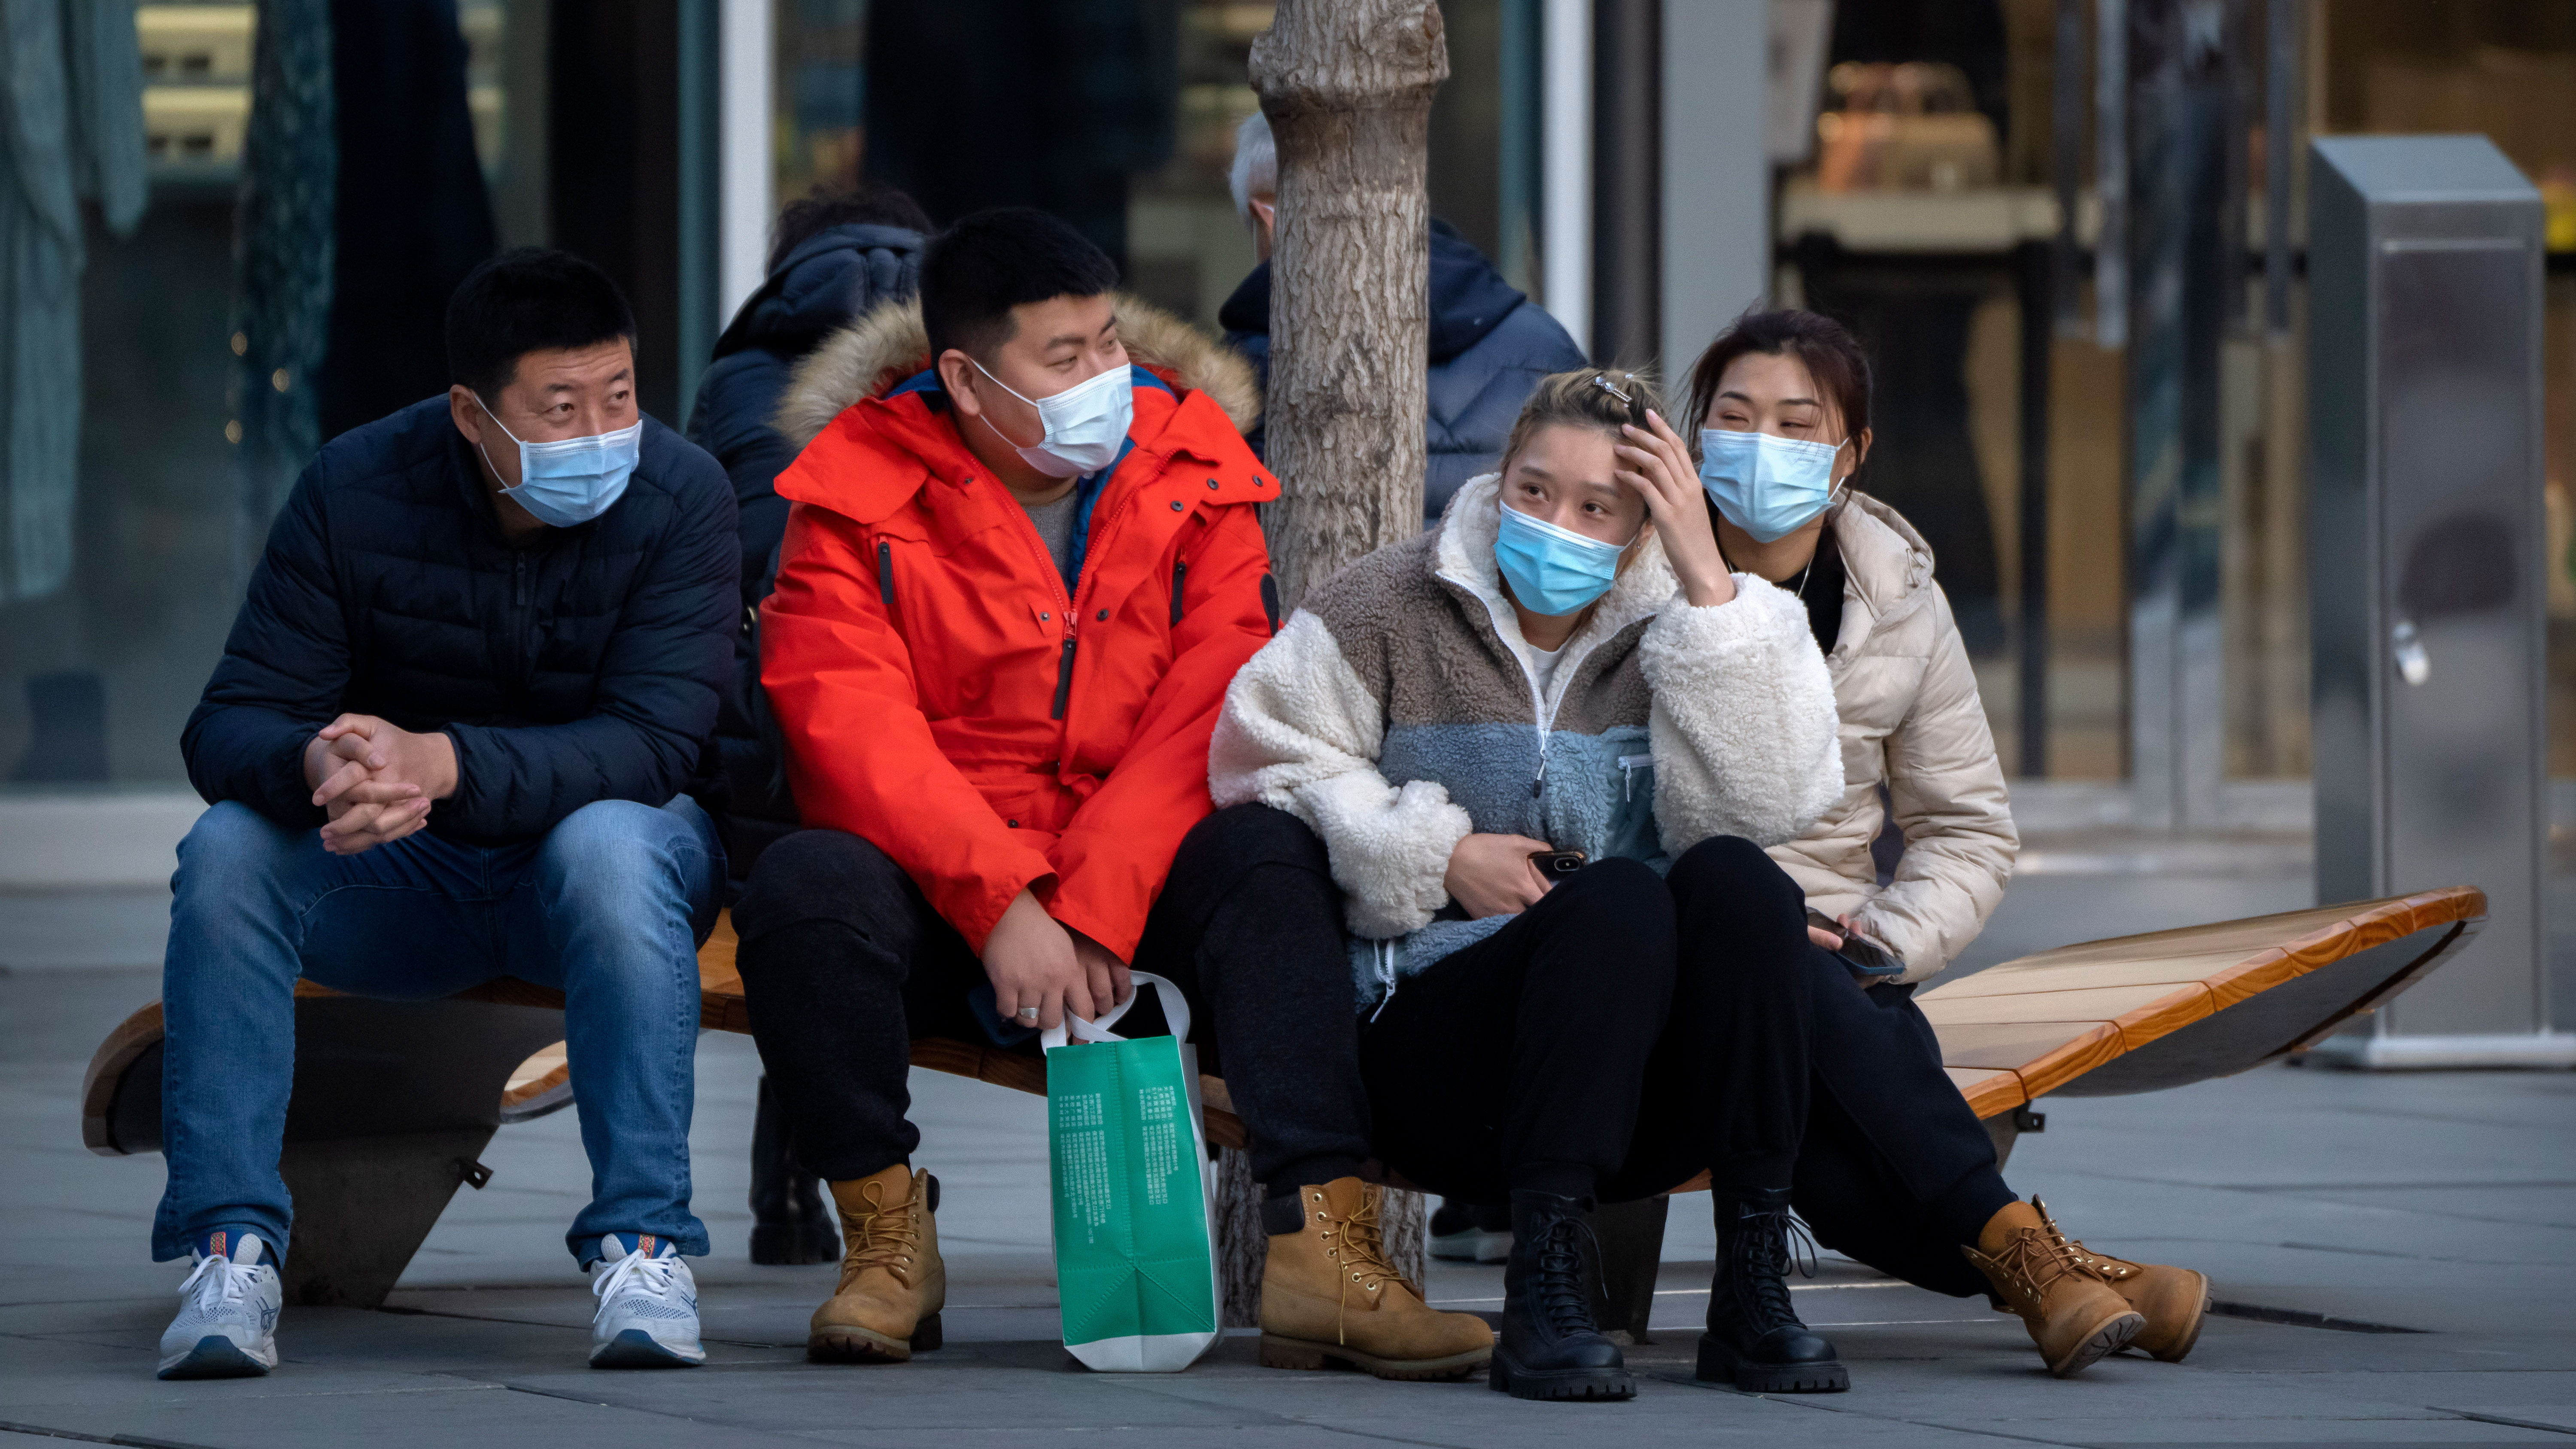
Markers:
1627,1031
844,962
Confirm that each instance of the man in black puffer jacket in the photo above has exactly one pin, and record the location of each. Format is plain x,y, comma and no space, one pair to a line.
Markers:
1489,344
837,255
448,741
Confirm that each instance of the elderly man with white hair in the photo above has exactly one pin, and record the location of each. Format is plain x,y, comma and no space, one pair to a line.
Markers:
1489,344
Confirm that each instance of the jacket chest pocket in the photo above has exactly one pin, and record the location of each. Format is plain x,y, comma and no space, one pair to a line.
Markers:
1628,789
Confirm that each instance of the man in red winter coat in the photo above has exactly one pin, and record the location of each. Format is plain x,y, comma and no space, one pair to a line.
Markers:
1023,566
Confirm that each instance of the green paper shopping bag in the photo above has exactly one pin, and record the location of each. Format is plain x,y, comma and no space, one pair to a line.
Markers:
1135,1241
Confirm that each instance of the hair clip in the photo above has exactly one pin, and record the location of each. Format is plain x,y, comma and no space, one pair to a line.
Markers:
1601,380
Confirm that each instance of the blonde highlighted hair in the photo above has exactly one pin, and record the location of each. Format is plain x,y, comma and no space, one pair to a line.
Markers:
1600,398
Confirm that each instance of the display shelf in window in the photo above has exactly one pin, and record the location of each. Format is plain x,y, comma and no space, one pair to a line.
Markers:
196,88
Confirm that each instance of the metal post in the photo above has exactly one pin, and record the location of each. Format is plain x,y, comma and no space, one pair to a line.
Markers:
747,181
2427,572
2285,20
2066,164
1627,166
2032,266
2111,172
1714,195
2178,274
1565,168
700,200
1517,188
2237,30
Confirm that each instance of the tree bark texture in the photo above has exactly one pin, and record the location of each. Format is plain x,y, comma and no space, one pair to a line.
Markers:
1347,85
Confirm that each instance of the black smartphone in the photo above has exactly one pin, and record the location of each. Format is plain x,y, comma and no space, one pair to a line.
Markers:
1868,957
1556,865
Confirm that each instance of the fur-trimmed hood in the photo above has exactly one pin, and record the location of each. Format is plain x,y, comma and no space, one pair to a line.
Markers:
878,351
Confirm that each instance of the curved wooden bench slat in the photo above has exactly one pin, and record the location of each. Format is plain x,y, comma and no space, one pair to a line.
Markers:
2138,1013
2128,1014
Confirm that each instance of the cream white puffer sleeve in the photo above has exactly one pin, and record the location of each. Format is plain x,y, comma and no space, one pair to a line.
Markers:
1911,720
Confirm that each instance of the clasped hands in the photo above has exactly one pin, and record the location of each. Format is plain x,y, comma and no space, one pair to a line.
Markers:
376,781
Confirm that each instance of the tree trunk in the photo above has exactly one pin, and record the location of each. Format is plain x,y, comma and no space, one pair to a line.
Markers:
1347,85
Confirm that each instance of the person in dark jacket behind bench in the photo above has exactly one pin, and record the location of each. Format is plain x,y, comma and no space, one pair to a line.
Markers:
838,256
447,741
1489,344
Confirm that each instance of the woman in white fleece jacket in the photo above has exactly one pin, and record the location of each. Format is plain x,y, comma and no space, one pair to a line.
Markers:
1566,665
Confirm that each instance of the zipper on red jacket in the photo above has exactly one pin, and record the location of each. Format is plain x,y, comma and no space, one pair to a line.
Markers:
1180,571
1064,597
1064,678
885,572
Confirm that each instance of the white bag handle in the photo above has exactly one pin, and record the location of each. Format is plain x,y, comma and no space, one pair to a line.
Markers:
1176,1012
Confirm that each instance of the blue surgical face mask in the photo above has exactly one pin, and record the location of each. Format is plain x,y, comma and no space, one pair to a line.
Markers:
572,480
1086,424
1553,570
1765,484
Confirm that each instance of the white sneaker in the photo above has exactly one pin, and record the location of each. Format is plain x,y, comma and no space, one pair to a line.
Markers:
648,1305
227,1323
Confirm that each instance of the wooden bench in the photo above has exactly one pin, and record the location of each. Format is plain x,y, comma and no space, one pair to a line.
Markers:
392,1102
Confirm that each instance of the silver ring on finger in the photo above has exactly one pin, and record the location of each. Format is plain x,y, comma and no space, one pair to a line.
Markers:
1028,1013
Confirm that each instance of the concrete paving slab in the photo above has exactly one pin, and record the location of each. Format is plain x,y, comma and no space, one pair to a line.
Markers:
2440,1202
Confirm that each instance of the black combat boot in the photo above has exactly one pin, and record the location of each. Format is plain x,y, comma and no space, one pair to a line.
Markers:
1754,1339
790,1220
1551,1348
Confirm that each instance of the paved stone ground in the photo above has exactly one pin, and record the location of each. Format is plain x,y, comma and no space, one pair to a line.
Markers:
2442,1204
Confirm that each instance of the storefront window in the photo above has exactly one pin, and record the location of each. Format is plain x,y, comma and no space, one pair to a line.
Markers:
98,674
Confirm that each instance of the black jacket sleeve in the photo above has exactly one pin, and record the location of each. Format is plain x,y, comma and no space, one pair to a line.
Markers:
665,668
284,671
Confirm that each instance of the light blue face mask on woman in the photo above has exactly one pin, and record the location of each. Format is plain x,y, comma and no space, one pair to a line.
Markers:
573,480
1553,570
1765,484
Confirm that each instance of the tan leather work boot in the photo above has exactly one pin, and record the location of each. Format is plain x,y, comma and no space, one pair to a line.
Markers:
1329,1295
892,1282
2074,1316
2173,1299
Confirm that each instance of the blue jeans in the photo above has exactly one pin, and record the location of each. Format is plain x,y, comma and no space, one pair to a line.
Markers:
608,907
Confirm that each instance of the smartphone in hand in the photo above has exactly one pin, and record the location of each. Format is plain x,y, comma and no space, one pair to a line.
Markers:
1868,957
1556,865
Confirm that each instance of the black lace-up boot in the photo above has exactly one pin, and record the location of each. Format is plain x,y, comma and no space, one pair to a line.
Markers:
1754,1339
1551,1348
790,1221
